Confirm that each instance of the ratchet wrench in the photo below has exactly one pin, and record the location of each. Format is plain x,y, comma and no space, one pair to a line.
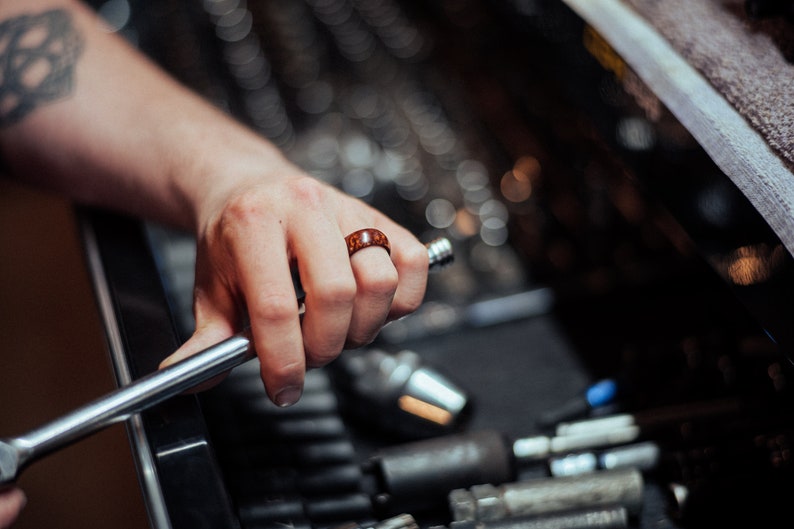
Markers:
119,405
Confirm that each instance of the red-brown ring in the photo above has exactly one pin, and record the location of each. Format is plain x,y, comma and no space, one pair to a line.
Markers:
361,239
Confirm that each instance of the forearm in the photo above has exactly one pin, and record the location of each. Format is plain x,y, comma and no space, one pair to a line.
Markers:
113,130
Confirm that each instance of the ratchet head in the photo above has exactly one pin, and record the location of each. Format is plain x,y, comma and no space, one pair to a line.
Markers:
9,463
440,253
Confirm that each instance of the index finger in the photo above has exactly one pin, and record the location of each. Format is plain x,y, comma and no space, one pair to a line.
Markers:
265,280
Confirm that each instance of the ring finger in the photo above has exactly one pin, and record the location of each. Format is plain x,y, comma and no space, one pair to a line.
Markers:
376,282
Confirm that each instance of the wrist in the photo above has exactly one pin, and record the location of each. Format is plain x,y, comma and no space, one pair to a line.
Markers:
227,163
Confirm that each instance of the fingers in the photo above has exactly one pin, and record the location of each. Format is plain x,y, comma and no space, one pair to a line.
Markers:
12,501
388,286
257,243
376,283
330,288
214,313
243,275
243,278
411,262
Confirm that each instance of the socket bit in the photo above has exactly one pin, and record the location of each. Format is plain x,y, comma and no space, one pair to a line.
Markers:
534,497
400,521
642,456
419,475
606,518
399,394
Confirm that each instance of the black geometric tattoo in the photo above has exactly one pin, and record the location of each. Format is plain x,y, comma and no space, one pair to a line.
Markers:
37,58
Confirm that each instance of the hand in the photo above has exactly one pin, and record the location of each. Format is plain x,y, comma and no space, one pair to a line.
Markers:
11,503
249,238
169,156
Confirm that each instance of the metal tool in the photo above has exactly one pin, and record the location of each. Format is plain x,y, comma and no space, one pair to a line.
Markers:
416,476
540,496
400,394
609,517
117,406
402,521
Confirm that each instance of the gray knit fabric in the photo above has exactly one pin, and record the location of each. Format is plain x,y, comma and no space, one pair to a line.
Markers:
744,60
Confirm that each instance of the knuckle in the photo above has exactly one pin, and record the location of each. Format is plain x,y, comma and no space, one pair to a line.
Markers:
245,208
322,359
321,354
308,191
273,307
410,305
381,283
415,256
335,292
280,371
240,214
407,304
360,340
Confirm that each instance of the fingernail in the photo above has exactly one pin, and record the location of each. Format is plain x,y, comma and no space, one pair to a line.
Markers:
288,396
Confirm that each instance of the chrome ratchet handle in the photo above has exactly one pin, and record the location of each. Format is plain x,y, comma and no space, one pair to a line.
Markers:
143,393
146,392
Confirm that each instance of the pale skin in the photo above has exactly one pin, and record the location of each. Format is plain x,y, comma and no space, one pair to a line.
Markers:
121,134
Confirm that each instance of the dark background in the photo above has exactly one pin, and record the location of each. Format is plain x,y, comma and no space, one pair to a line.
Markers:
53,359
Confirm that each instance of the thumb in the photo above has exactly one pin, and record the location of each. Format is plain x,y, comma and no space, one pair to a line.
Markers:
12,502
201,339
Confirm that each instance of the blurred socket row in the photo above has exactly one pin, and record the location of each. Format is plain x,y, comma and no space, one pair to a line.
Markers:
339,86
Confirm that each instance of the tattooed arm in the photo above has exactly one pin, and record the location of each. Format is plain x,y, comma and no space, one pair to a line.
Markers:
86,115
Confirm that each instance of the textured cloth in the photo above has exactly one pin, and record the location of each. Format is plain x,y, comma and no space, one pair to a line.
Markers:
748,62
725,78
